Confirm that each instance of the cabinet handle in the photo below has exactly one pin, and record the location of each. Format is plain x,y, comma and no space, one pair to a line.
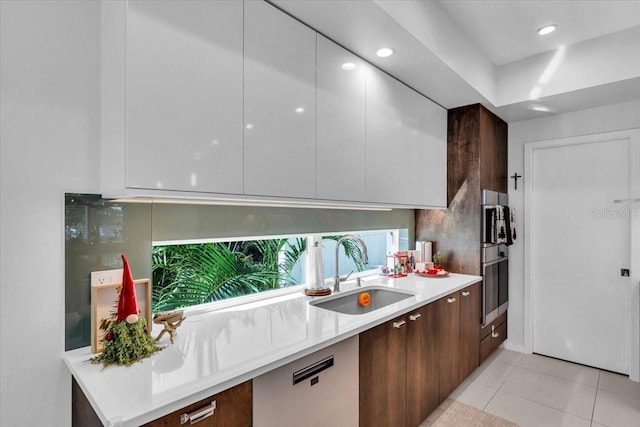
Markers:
399,324
450,300
466,293
493,333
198,415
415,316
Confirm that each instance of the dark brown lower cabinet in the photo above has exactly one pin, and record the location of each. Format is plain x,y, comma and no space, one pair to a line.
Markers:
448,339
470,319
82,414
492,335
458,336
422,365
233,408
399,370
383,393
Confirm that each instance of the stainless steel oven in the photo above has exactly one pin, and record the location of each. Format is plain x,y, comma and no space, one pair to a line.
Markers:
495,260
495,282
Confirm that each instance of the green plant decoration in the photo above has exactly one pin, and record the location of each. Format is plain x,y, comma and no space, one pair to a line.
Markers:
126,343
437,258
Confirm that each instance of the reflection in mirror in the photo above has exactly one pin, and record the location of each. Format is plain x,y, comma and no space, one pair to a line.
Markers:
97,232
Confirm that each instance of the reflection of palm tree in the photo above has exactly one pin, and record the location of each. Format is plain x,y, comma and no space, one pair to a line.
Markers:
186,275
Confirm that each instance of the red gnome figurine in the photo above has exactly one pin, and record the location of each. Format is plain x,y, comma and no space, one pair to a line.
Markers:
128,302
127,340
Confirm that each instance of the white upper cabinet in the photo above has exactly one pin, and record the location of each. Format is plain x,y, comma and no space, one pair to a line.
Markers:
279,104
433,186
341,94
183,98
405,144
234,100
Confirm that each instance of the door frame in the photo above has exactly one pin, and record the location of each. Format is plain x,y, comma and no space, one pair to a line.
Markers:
633,136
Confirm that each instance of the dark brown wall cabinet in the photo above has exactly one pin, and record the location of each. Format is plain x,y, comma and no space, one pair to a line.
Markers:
476,160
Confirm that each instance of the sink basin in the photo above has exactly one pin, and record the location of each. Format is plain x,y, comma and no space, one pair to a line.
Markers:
347,302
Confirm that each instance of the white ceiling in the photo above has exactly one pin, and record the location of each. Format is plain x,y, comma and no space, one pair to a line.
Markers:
460,52
505,30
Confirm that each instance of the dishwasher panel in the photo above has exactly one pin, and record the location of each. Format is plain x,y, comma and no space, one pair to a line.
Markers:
318,390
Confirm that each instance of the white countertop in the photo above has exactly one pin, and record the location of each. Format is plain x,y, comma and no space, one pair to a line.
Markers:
216,350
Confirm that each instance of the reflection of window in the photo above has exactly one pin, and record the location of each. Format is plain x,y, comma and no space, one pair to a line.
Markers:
190,274
89,220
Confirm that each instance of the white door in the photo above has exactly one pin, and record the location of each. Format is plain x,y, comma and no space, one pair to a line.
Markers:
582,210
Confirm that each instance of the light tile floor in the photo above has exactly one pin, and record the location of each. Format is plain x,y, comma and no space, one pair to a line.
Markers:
533,390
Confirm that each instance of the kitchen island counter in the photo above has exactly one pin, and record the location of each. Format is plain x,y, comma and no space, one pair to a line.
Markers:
218,349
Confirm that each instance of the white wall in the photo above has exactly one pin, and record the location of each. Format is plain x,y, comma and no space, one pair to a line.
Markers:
49,146
585,122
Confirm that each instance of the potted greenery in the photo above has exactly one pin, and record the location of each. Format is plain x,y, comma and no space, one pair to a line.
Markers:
437,258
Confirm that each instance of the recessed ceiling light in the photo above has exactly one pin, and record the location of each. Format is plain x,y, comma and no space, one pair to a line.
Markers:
547,29
348,66
383,52
299,110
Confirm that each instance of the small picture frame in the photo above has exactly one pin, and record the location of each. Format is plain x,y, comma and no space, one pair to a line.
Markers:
104,308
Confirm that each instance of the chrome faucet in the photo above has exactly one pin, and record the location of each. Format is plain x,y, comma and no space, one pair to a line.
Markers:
365,257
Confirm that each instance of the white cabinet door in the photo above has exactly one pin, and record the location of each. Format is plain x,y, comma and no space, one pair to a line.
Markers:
384,157
340,123
184,95
405,144
428,167
279,104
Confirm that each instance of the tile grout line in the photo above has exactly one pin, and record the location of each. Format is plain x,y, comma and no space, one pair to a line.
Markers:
547,406
489,401
593,410
554,377
513,368
560,378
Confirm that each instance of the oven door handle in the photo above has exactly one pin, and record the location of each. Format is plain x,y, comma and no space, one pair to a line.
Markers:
495,261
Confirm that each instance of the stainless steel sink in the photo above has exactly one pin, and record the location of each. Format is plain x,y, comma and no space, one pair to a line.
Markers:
347,302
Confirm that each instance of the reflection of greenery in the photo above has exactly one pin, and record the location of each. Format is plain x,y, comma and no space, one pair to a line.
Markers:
186,275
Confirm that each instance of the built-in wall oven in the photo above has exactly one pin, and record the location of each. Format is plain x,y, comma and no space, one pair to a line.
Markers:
495,257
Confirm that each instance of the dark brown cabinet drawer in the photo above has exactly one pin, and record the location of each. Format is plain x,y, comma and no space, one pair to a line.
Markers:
233,409
492,340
